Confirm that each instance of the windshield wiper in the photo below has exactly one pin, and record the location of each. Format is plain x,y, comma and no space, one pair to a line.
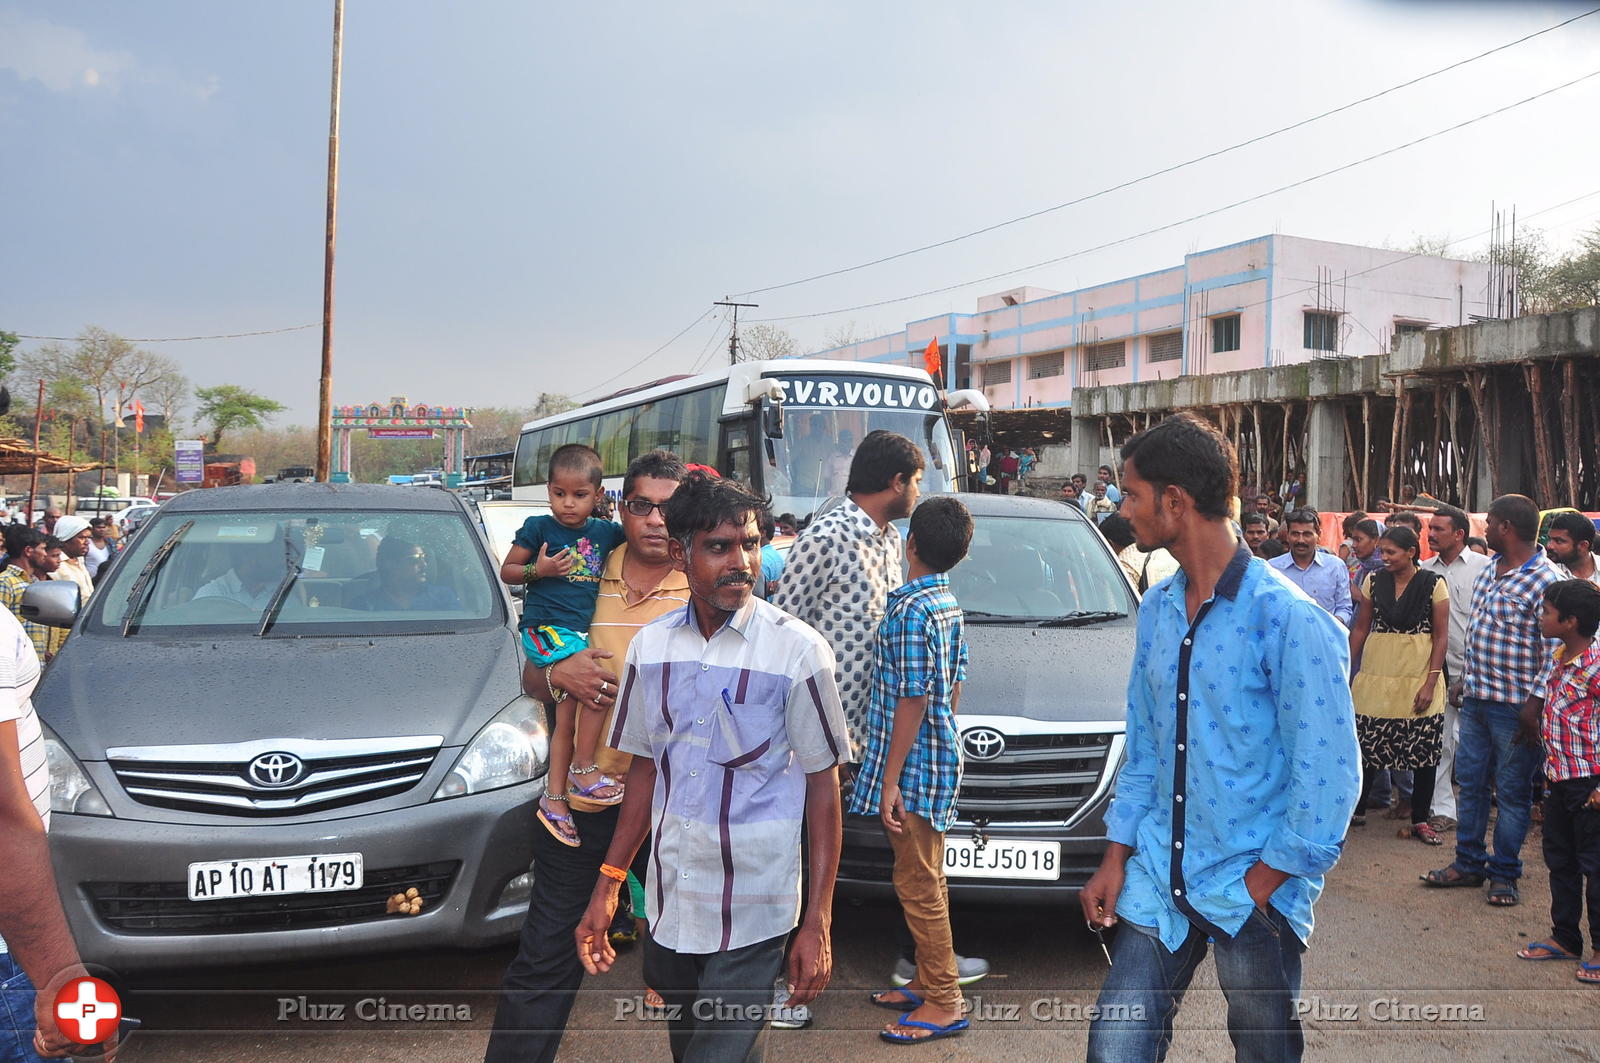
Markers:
980,613
1083,618
291,573
137,596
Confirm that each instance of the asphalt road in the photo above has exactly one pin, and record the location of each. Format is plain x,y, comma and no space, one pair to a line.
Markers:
1385,947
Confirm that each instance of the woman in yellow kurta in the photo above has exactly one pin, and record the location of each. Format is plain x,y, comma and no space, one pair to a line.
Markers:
1399,635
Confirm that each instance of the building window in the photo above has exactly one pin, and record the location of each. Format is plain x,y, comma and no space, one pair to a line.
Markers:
1043,365
1112,355
1406,328
1322,331
1225,333
996,373
1166,347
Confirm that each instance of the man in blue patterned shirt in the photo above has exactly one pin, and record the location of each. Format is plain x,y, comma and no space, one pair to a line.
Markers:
1242,768
911,772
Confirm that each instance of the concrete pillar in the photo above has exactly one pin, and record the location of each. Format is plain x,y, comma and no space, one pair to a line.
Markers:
1086,439
1327,461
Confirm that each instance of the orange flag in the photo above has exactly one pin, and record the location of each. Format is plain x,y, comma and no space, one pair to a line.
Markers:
138,416
931,360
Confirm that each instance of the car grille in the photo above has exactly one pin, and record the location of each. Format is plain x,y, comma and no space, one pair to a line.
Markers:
226,787
1038,779
165,908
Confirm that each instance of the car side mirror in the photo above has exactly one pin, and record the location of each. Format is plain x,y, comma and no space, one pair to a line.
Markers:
54,603
772,418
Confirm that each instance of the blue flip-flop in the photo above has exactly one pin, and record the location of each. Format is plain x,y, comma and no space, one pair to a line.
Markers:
1551,952
913,998
937,1031
1592,970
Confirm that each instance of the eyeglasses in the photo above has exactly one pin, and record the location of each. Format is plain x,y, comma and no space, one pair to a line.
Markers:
641,507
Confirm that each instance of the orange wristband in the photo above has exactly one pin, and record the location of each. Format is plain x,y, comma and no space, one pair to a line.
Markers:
613,872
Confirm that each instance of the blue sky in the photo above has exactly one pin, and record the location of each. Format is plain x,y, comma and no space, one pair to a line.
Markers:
534,197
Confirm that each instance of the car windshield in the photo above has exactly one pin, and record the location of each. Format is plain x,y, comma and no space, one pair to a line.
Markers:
811,462
353,572
1036,569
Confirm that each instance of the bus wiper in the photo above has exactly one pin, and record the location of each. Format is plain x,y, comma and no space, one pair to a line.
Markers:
291,573
1082,618
139,593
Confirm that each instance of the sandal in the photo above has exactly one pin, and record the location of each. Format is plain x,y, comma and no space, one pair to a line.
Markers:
1450,878
912,1001
1425,834
934,1032
653,1001
588,792
561,827
1588,973
1503,894
1548,950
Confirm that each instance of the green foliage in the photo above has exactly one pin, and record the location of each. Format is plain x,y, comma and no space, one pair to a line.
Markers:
227,407
8,352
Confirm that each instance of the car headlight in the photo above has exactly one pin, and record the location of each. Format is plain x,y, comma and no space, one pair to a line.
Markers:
70,788
513,747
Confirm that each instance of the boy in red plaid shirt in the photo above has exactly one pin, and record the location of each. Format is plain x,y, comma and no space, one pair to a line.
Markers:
1571,727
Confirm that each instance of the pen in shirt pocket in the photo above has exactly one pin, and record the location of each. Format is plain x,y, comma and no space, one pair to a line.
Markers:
727,699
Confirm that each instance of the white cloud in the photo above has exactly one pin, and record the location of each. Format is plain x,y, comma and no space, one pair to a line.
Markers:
58,57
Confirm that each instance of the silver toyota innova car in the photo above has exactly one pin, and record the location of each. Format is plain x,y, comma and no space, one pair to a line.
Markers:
330,715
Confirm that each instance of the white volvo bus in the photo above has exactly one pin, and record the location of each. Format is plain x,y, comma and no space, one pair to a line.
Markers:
787,427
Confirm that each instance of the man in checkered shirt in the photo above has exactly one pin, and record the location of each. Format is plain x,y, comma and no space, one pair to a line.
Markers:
1500,694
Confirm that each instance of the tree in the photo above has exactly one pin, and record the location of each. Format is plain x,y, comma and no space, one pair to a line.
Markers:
228,406
1575,280
112,369
759,342
8,352
844,335
167,396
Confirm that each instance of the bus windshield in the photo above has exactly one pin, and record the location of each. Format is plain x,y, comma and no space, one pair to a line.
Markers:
811,462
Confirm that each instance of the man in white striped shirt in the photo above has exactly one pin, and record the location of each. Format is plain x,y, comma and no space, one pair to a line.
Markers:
731,712
37,947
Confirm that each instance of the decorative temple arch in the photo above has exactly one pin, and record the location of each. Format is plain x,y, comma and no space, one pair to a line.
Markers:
400,419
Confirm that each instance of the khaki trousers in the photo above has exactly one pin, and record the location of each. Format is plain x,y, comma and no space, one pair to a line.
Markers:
920,884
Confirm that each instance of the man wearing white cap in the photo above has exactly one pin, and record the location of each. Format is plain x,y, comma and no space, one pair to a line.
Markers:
73,533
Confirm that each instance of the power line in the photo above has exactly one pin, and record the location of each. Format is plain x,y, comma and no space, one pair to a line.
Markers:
1192,218
590,390
185,339
1172,168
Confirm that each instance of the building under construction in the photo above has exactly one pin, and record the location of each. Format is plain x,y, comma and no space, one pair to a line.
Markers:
1463,414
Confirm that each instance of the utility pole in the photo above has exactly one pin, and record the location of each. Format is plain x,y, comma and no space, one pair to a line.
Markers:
733,337
325,392
33,481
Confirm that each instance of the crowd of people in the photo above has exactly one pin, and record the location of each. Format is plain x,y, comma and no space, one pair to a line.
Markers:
709,699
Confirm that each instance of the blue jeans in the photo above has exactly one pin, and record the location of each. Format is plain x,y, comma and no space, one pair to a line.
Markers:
1258,969
16,1014
1487,757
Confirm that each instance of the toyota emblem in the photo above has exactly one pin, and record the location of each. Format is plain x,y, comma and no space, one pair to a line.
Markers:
983,743
274,770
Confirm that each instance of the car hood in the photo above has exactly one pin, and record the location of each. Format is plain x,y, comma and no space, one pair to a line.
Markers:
204,691
1061,675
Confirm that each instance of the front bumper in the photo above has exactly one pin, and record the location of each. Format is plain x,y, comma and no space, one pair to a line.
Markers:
123,884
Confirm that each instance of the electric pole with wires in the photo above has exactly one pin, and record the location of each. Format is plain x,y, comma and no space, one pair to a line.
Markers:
733,336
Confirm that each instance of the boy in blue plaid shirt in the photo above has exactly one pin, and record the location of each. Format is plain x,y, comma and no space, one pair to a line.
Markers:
911,771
